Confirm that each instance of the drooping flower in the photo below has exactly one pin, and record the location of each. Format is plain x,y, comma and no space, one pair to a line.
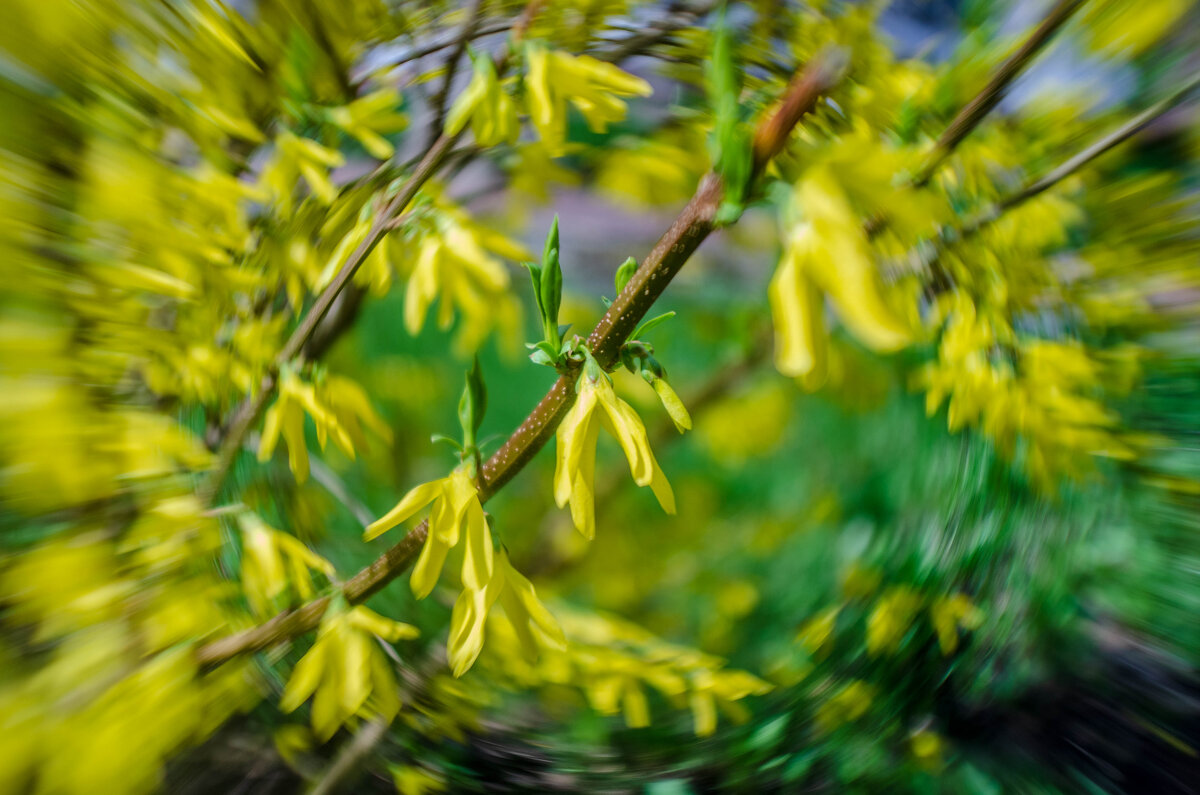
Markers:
457,264
599,407
347,670
286,418
487,106
827,254
456,508
369,118
591,85
338,408
273,562
295,157
531,621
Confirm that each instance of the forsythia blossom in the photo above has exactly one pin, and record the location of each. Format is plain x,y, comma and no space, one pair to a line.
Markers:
592,86
521,606
598,406
272,562
455,263
367,117
456,507
347,670
296,156
338,411
828,254
485,104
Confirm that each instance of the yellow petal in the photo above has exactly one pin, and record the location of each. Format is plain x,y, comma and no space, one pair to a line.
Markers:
674,406
477,557
429,566
304,679
801,345
416,499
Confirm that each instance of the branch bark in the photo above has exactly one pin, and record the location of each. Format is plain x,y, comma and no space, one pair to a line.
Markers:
671,252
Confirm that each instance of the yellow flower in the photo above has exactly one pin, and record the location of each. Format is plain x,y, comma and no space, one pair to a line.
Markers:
366,117
828,254
453,262
521,606
286,418
598,406
674,406
891,619
927,748
847,705
712,689
456,507
272,562
592,86
296,157
489,108
817,630
347,670
949,614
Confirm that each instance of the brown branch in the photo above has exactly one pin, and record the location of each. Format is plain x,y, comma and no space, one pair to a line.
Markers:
974,112
666,258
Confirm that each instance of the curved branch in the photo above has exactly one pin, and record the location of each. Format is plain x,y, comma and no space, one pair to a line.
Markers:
673,249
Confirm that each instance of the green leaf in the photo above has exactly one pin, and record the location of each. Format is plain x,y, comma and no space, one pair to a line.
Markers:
730,140
473,404
551,240
551,290
625,273
443,438
652,323
535,276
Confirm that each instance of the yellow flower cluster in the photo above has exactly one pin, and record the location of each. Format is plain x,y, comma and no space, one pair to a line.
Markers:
554,79
338,412
614,661
1043,399
274,563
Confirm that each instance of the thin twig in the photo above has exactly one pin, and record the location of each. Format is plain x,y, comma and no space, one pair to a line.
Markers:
675,247
974,111
349,757
468,30
930,257
636,44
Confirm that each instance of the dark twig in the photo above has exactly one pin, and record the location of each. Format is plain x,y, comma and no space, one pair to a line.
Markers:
978,108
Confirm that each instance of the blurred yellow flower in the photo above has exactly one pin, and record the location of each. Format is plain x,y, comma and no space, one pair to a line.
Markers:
951,613
848,704
827,254
347,670
273,562
592,86
487,106
367,117
891,619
